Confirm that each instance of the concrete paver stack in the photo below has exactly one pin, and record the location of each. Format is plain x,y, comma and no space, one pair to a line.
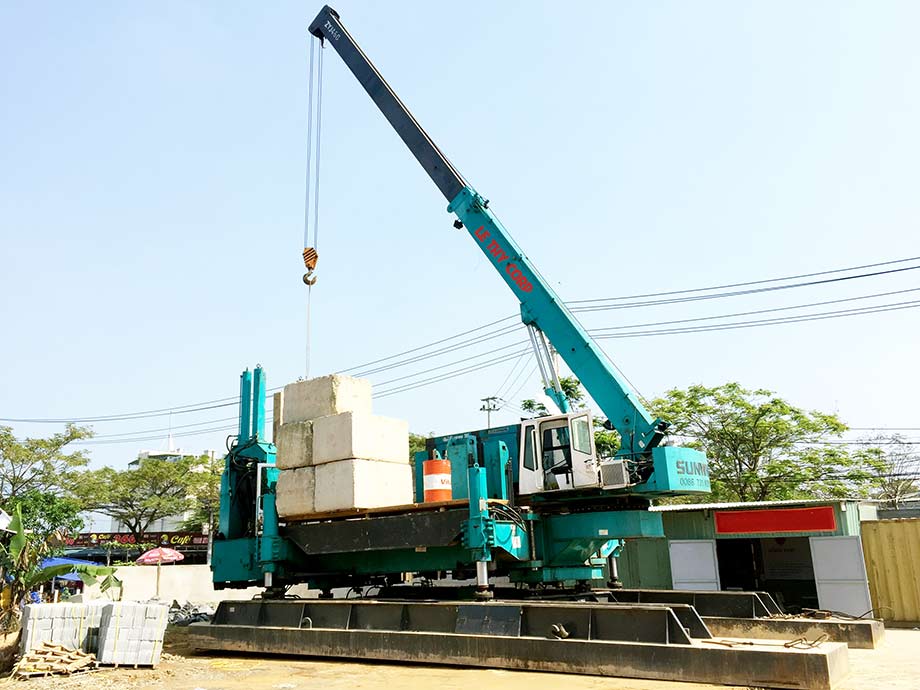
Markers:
120,633
334,453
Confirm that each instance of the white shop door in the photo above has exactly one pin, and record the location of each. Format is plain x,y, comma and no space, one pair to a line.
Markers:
840,574
694,564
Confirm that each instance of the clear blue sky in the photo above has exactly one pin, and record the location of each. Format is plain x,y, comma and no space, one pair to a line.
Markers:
151,196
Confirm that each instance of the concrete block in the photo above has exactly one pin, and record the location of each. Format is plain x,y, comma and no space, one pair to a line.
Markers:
324,396
295,445
294,492
360,483
359,435
277,414
127,630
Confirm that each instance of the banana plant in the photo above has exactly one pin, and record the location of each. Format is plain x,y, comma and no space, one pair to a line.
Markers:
21,559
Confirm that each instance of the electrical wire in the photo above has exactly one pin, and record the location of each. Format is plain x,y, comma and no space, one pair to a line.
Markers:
227,402
751,282
821,316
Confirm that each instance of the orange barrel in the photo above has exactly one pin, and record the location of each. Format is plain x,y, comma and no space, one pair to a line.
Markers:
437,480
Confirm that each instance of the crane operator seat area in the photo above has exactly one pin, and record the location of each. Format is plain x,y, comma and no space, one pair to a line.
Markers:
558,454
557,457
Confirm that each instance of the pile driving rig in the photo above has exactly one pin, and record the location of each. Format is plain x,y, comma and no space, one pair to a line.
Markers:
533,501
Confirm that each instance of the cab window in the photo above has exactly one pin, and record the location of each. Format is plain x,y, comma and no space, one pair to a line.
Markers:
530,458
581,435
557,451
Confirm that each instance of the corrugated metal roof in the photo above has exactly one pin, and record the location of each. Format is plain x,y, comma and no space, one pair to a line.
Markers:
755,504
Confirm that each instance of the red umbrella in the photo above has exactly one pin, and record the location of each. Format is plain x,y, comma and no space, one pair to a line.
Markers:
157,557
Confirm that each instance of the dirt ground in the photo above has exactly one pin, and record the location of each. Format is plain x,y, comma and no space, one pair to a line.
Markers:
894,666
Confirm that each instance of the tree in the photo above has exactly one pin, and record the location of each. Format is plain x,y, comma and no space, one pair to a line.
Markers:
46,514
39,464
899,465
416,445
21,569
761,447
204,492
138,497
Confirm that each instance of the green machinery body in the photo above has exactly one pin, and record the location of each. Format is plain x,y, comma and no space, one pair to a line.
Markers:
549,541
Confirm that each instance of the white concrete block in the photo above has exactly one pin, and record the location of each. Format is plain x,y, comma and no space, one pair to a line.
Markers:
324,396
359,483
295,445
359,435
277,414
294,492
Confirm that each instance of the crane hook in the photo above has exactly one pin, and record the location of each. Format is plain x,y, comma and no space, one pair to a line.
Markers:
310,257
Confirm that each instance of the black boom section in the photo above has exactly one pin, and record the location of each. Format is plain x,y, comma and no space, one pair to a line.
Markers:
327,26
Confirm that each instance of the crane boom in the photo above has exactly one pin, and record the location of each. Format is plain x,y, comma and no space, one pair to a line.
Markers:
541,307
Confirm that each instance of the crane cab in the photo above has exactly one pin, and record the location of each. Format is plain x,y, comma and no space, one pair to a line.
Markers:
558,453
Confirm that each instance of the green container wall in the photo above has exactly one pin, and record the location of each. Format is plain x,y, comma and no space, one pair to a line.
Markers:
701,524
646,563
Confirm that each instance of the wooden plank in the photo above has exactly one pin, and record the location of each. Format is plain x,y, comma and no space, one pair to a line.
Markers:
386,510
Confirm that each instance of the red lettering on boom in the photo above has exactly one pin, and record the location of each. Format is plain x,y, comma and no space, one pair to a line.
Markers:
500,255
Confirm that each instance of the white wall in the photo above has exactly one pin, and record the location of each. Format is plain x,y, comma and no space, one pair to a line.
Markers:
177,582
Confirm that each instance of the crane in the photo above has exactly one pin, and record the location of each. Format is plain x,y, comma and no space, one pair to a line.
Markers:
533,502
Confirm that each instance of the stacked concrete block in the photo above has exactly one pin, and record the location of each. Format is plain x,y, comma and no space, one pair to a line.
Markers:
334,454
358,483
360,435
294,492
294,443
307,400
76,626
131,634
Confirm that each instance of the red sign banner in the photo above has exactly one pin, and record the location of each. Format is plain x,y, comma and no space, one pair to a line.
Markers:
817,519
176,540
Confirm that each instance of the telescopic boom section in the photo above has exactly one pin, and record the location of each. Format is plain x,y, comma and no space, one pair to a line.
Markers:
540,306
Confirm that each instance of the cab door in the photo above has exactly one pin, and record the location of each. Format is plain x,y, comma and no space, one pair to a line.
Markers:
584,457
530,478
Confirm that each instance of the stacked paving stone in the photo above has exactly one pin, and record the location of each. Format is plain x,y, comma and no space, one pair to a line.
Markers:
333,453
76,626
132,633
123,633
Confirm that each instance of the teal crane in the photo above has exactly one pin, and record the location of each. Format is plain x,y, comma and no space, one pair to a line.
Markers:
539,503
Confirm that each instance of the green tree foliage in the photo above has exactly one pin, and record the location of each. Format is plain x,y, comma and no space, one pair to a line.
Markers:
39,464
21,569
416,445
761,447
46,513
138,497
204,491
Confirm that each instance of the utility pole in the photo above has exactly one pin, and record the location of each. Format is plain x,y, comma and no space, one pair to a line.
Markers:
489,406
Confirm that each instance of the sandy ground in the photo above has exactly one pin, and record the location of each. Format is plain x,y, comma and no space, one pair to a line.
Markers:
894,666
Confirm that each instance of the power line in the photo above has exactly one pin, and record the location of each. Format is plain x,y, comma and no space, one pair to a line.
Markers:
767,322
425,347
750,282
513,382
229,401
757,311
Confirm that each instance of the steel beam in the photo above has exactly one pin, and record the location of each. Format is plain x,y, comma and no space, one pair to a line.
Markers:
557,637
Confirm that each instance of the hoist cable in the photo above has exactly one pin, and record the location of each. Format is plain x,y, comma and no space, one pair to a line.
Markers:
319,139
306,213
316,75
